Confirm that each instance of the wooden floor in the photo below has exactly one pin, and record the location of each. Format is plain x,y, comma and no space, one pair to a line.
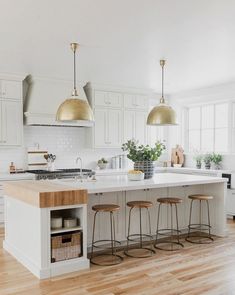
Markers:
196,269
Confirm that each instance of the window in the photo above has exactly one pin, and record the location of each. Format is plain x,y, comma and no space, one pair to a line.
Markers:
208,128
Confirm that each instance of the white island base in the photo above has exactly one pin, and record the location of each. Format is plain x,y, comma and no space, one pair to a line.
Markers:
27,227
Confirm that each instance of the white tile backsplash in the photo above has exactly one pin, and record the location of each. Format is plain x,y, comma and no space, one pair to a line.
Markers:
67,143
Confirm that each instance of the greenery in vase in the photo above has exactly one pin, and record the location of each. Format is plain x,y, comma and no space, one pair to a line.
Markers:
102,161
207,159
138,153
198,158
216,159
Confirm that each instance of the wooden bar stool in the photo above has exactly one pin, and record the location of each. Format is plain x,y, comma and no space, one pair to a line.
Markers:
115,259
201,237
173,242
146,251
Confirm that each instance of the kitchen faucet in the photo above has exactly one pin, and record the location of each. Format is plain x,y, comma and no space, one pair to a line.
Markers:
80,159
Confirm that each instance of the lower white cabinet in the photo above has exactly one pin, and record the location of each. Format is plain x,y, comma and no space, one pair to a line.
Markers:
108,128
230,202
1,205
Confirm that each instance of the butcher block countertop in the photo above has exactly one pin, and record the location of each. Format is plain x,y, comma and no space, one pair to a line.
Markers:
44,194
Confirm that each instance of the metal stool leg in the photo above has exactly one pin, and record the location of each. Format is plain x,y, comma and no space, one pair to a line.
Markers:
170,240
140,236
209,222
93,236
118,258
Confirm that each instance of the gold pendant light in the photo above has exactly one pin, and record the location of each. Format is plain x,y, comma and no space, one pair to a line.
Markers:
74,108
162,114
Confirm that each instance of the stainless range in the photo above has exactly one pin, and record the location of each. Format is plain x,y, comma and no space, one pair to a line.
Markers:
62,173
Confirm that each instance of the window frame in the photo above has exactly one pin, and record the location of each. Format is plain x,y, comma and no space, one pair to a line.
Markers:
230,127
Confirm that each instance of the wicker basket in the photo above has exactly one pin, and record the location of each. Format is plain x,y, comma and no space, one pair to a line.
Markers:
66,246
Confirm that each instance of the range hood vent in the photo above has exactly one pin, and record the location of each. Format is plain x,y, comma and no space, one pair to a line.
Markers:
42,99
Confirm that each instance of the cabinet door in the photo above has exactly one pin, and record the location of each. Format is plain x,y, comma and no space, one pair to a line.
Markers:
230,202
1,204
101,98
129,125
115,99
141,127
129,101
141,102
12,122
114,128
108,99
101,123
11,89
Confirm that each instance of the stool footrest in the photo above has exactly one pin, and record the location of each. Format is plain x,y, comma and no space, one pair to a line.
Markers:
105,248
118,258
138,236
194,226
167,230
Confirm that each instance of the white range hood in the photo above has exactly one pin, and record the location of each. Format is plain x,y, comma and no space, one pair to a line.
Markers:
42,99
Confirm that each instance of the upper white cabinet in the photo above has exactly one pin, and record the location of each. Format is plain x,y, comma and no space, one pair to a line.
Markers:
108,99
135,126
119,115
108,128
12,122
11,112
10,89
135,101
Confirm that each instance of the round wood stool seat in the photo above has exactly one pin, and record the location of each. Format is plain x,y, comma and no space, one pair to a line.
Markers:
200,197
105,208
139,204
170,200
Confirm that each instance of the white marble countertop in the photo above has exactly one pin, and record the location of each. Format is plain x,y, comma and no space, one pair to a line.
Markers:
121,183
16,176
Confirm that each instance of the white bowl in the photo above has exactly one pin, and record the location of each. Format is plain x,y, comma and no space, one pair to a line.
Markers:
56,222
70,222
135,177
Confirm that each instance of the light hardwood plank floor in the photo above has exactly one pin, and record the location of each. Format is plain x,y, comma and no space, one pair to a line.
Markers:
194,270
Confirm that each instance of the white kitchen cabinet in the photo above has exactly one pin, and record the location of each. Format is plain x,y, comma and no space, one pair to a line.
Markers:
1,205
108,127
11,89
135,101
108,99
230,202
11,123
135,126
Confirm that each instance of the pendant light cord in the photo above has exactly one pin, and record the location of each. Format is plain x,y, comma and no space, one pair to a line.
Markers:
162,63
74,72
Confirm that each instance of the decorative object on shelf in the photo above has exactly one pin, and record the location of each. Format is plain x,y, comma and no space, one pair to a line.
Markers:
216,159
135,175
56,222
74,108
198,158
70,222
177,156
143,156
50,158
102,163
162,114
207,158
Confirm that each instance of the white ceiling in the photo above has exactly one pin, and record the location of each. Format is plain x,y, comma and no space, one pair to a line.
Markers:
122,40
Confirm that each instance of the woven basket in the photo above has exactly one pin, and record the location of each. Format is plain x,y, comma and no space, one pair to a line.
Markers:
66,246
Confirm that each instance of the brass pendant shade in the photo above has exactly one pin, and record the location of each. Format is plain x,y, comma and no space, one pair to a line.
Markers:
162,114
74,108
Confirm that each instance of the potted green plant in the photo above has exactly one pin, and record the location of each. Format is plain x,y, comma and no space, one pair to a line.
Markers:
143,156
216,160
102,163
207,158
198,158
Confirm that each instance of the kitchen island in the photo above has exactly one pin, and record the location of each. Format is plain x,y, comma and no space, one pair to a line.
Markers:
34,224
